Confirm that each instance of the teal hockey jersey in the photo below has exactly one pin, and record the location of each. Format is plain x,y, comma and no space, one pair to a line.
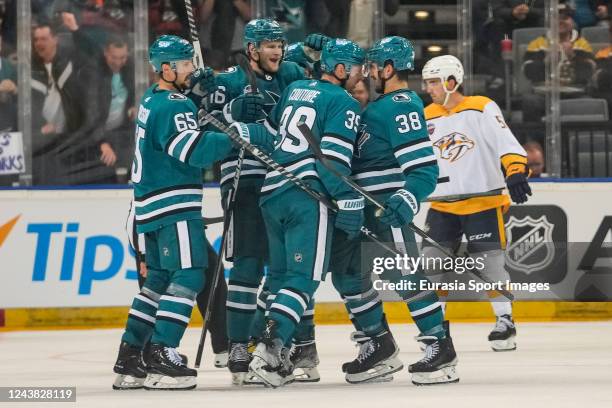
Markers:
393,148
333,116
233,83
169,156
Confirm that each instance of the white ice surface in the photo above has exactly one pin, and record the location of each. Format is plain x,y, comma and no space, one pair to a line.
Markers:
556,365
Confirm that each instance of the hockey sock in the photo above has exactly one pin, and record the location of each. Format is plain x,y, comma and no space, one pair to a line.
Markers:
141,318
287,309
241,303
259,320
426,312
500,306
305,330
366,311
176,305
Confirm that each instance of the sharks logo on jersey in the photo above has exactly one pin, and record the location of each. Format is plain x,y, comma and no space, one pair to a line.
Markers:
454,146
402,97
362,137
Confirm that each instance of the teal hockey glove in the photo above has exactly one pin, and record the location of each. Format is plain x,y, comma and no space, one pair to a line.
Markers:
247,108
255,134
316,41
200,84
350,216
400,209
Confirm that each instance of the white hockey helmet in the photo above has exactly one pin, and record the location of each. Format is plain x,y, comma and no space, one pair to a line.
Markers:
442,68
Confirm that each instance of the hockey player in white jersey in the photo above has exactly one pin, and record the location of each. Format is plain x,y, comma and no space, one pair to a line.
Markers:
477,153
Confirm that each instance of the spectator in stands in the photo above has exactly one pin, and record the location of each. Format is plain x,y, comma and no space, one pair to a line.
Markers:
361,92
535,158
508,15
222,24
576,62
107,134
57,101
590,12
602,80
8,95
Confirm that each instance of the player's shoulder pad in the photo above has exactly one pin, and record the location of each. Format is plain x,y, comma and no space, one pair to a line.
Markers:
477,103
433,111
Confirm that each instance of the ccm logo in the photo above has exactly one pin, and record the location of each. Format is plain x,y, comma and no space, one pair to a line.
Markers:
479,236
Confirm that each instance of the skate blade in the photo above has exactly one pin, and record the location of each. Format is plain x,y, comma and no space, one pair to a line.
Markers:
155,382
378,373
503,345
306,374
446,375
269,378
127,382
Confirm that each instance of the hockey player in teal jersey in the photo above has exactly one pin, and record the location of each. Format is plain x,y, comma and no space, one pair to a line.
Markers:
299,228
394,161
170,153
264,43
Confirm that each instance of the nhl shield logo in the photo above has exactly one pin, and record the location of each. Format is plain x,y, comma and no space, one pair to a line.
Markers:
431,128
530,243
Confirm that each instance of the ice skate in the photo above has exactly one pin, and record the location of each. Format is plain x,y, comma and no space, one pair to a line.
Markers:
376,361
305,359
130,368
503,336
438,364
271,360
167,371
423,345
238,362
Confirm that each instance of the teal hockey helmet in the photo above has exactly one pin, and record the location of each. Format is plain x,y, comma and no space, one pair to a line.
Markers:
262,29
295,53
341,51
396,49
169,49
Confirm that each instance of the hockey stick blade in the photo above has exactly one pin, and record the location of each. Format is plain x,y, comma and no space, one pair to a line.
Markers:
307,133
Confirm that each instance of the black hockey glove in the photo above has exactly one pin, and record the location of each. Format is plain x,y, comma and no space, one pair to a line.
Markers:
518,187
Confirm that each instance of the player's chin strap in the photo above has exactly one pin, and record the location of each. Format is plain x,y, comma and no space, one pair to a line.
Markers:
447,92
173,82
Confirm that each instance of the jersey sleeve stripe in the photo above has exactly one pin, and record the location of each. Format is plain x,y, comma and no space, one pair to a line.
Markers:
420,160
377,173
233,163
337,141
189,146
419,165
292,167
167,194
413,148
411,143
230,176
333,155
340,137
173,142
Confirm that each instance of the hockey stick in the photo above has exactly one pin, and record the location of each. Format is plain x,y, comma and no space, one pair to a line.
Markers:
229,213
458,197
268,161
325,162
193,35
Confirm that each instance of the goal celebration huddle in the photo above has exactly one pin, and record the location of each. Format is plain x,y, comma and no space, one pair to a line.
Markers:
314,186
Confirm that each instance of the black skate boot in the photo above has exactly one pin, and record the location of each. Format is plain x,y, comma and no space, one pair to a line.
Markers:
376,361
438,365
238,362
503,336
271,359
130,368
146,353
423,345
305,359
166,370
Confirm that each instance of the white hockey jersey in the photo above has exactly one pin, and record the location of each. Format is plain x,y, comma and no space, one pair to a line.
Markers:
475,150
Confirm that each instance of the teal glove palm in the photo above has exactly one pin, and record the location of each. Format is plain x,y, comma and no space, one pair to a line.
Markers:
255,134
